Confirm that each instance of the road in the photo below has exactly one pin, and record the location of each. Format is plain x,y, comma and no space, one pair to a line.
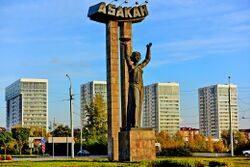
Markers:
56,157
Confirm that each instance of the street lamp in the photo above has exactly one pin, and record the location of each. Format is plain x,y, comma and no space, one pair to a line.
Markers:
71,115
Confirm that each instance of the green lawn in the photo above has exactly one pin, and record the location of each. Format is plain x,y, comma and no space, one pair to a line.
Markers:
231,162
164,161
70,163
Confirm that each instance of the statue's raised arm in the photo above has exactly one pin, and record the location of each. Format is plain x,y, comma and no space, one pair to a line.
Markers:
148,55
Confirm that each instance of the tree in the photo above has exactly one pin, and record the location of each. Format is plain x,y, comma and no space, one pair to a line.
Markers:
219,146
37,132
179,139
210,144
240,138
97,128
21,135
5,139
62,131
225,137
164,139
12,146
198,143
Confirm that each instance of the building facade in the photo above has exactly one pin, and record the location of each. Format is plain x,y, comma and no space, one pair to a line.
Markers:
214,109
161,107
88,92
27,103
188,133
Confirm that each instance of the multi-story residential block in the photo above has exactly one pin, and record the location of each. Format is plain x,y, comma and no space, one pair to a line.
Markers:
161,108
88,92
27,103
214,114
188,132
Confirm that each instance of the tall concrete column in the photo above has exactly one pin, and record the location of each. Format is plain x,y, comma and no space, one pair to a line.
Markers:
125,31
113,85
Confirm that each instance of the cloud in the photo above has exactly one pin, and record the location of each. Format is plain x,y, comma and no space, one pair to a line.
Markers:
186,50
68,63
206,43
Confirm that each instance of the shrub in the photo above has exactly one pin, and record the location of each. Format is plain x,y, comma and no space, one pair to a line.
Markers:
179,151
216,163
164,163
199,164
8,157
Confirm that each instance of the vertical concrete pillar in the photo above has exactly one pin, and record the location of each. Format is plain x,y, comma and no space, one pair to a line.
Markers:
113,85
125,31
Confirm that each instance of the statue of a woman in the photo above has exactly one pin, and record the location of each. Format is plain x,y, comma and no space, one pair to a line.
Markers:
136,89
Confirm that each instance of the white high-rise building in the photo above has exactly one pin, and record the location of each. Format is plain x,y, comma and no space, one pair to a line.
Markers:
27,103
161,108
88,92
214,109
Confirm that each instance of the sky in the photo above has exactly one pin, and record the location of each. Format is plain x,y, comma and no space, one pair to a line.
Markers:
196,43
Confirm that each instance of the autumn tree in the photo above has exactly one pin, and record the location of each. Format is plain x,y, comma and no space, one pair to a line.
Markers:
179,139
210,144
240,138
219,146
225,136
37,132
198,143
164,139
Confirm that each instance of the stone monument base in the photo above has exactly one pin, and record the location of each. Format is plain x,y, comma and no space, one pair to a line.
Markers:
137,144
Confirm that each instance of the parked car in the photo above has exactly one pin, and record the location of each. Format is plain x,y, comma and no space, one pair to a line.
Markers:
246,152
83,153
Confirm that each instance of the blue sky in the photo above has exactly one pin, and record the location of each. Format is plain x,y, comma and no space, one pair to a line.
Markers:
195,43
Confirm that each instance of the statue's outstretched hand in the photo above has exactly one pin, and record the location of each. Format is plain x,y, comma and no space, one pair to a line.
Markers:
149,45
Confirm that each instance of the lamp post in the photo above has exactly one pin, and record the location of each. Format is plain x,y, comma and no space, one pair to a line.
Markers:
230,118
71,115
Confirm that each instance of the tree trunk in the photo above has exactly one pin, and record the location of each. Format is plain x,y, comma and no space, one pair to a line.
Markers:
5,149
20,149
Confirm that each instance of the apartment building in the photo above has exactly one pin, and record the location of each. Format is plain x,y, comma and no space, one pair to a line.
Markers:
27,103
214,116
88,92
161,108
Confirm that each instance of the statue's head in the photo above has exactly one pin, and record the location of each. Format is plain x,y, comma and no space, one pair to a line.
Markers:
136,57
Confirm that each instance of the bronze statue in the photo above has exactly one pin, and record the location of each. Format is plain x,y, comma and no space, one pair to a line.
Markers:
136,89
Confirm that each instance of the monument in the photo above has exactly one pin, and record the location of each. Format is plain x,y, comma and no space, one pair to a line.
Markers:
129,142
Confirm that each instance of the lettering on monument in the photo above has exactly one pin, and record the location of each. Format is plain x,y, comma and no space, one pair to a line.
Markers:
119,12
103,13
127,13
111,10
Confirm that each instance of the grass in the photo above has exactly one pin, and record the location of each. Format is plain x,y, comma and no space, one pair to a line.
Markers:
230,161
100,162
103,162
